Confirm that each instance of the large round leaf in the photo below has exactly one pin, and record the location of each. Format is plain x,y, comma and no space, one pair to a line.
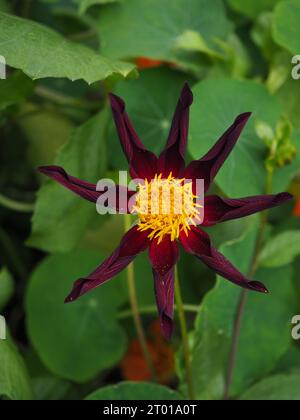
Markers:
159,28
275,388
216,104
81,339
286,28
134,391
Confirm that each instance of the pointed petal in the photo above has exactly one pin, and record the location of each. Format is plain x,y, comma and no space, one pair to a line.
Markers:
163,255
142,163
198,243
84,189
164,294
172,158
217,209
208,166
133,243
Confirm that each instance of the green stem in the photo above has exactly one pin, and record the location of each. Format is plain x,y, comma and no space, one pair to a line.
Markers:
61,99
184,336
26,8
16,205
84,35
135,309
244,294
151,309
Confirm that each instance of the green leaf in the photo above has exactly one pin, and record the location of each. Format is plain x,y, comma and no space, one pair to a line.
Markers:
193,41
6,287
150,109
281,249
135,391
15,89
243,173
289,96
50,388
275,388
59,227
41,52
286,29
79,340
153,28
84,5
265,335
252,8
14,380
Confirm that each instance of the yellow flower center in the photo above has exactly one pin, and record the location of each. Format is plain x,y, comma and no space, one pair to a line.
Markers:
166,206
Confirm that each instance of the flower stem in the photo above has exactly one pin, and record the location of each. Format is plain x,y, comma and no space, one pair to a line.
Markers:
16,205
244,294
184,336
135,310
62,99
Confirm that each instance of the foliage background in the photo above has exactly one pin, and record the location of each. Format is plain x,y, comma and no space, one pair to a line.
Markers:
64,57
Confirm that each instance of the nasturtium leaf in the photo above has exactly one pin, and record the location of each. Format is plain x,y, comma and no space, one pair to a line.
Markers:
275,388
84,5
150,103
286,29
152,28
281,249
41,52
252,8
14,89
135,391
216,104
6,287
14,379
50,388
289,97
79,340
265,333
289,362
61,217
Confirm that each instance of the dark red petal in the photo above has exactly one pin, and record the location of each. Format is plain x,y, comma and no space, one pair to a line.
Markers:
164,293
133,243
163,255
217,209
198,243
142,163
84,189
172,158
208,166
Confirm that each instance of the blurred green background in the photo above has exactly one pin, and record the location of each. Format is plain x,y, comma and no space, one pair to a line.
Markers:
63,58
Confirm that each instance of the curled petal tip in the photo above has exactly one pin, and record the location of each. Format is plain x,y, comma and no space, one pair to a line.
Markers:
68,299
258,287
283,197
243,118
44,169
117,103
50,169
186,95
